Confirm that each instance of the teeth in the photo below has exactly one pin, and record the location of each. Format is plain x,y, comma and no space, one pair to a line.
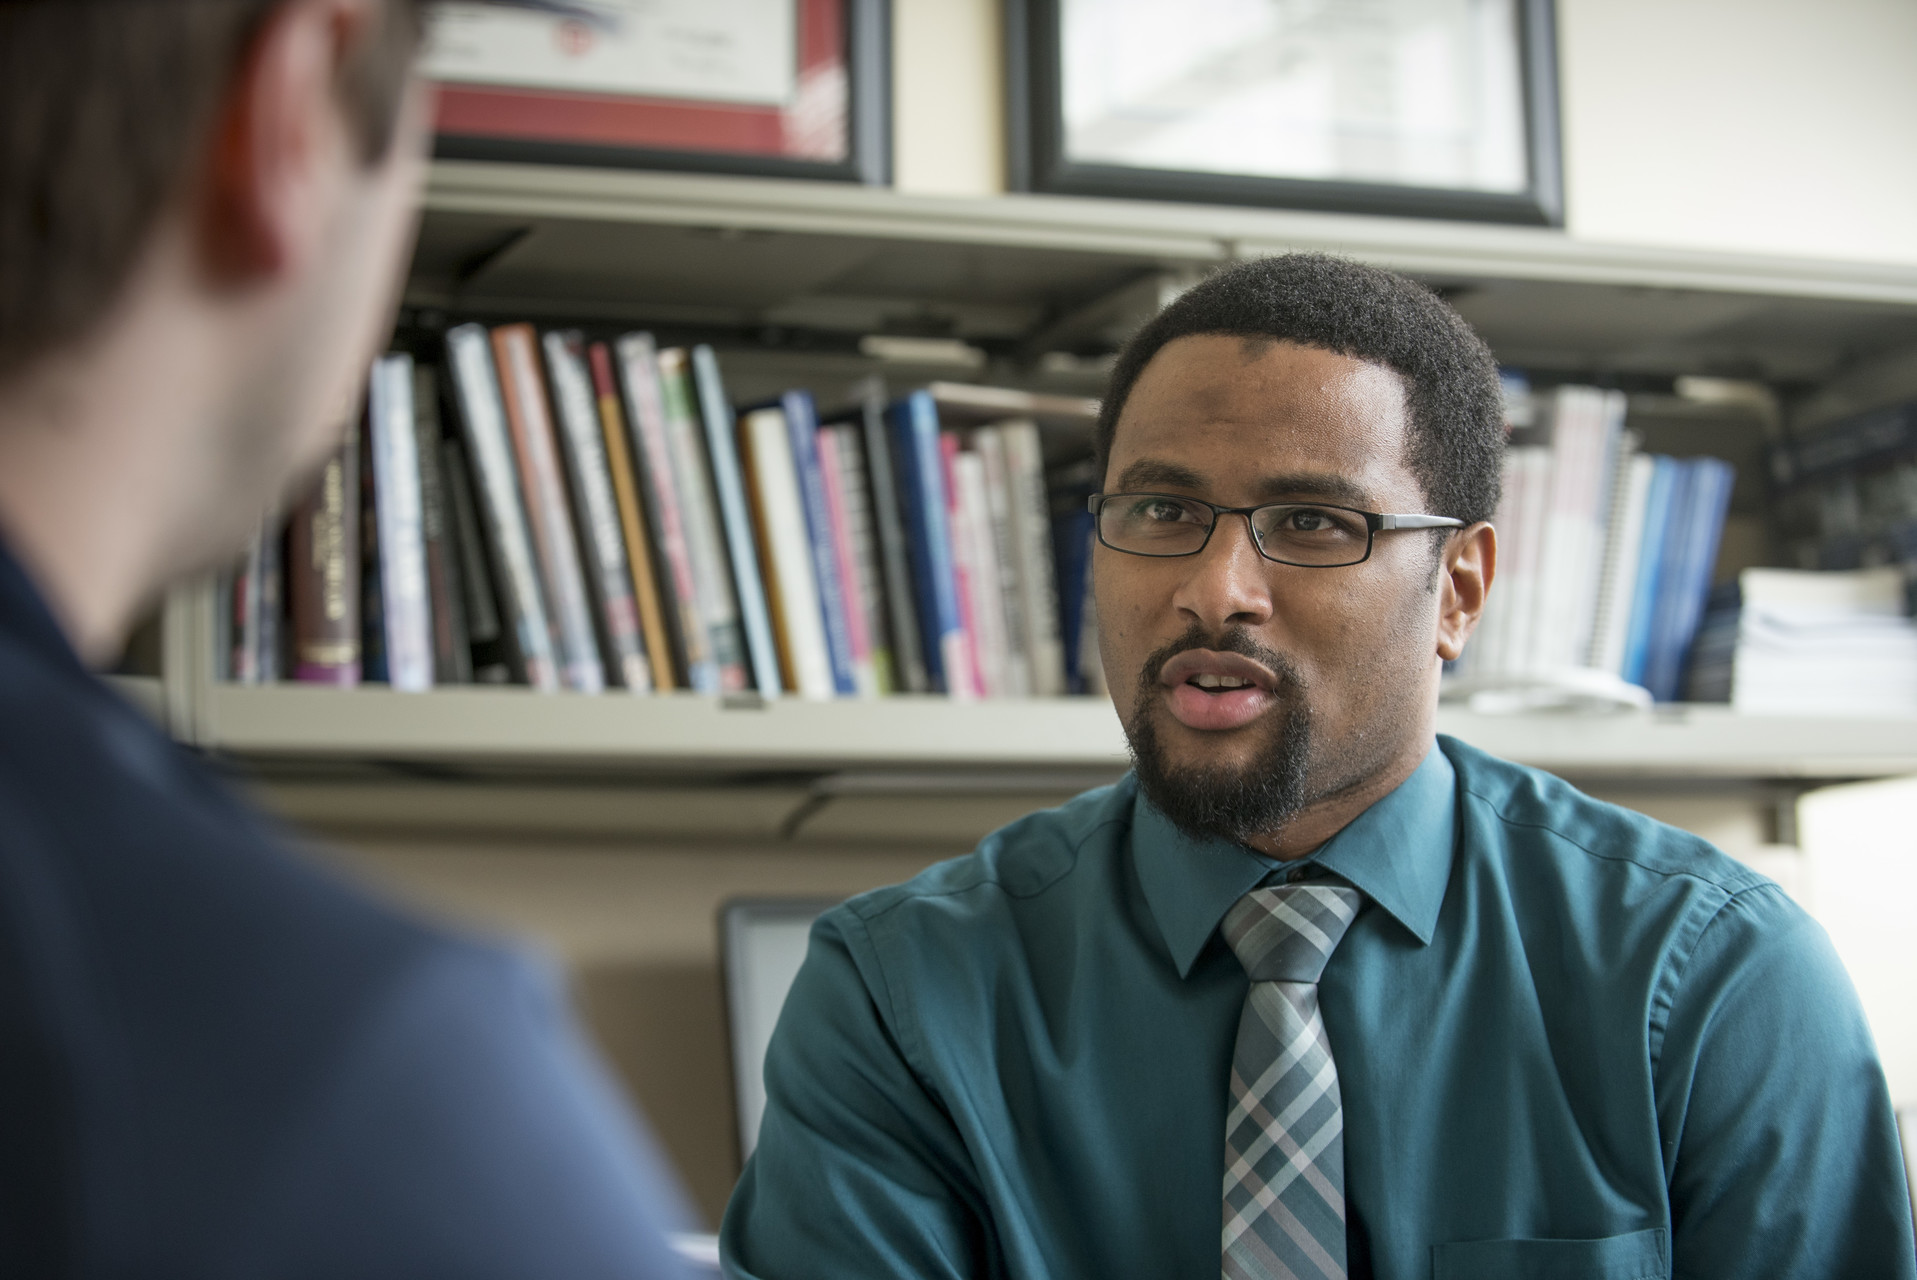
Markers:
1206,680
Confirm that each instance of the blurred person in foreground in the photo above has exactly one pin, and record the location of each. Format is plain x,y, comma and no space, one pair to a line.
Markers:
1315,992
215,1059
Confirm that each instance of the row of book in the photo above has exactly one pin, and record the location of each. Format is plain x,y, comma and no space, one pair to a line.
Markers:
1847,494
1606,557
594,514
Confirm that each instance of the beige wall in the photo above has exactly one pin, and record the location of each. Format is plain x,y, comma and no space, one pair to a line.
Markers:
1773,126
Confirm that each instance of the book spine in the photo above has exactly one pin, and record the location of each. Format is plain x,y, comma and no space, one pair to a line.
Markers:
325,577
372,606
1630,489
721,426
1661,659
488,652
1032,542
405,604
773,483
633,523
802,430
865,554
901,599
718,604
989,444
452,654
981,601
858,639
1710,502
915,427
502,512
515,349
638,361
1657,524
582,446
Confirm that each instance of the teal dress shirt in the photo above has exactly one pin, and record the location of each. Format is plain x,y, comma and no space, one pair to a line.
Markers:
1572,1042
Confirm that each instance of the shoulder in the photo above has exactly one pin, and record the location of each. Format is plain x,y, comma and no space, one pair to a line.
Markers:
1527,815
1022,861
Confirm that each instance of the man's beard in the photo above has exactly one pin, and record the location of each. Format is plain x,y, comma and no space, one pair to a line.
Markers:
1205,800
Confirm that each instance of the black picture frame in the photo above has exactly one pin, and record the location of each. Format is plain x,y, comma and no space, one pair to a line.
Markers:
1036,159
868,160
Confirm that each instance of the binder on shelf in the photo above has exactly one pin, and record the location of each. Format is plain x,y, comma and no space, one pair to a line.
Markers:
393,451
633,522
547,510
638,363
792,592
500,507
715,413
596,509
718,603
922,504
1696,529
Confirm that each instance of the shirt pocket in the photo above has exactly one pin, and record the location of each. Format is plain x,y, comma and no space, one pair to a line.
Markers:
1641,1255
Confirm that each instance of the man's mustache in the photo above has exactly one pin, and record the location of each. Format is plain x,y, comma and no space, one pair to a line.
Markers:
1236,640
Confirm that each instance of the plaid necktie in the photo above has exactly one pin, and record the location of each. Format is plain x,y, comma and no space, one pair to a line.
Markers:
1284,1134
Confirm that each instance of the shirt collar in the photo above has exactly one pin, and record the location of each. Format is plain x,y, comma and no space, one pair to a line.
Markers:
1397,853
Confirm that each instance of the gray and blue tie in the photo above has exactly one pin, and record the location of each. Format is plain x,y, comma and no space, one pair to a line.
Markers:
1284,1133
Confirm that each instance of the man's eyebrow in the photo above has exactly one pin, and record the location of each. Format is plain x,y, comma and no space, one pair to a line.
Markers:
1325,486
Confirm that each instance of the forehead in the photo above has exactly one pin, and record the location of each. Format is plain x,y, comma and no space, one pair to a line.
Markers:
1237,410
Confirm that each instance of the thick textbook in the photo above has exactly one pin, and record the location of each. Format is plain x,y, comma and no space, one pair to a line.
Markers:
501,509
323,578
802,431
405,605
705,544
792,591
597,510
728,483
922,502
515,348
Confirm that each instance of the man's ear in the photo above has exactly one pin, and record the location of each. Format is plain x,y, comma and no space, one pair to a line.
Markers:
1464,579
280,140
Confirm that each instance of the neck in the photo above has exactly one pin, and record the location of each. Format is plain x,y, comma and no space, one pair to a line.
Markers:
93,442
1343,799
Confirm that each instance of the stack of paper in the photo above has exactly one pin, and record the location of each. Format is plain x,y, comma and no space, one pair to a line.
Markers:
1812,643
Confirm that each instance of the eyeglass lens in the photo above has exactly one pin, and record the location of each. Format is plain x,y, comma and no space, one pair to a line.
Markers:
1150,524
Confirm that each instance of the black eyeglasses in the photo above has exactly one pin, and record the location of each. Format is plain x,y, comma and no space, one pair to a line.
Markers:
1309,534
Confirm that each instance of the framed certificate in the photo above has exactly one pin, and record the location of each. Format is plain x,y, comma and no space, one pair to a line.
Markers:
1427,108
796,88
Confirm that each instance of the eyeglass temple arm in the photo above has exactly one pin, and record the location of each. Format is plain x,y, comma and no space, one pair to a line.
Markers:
1419,522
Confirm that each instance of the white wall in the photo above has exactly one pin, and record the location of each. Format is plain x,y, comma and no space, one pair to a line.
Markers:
1772,126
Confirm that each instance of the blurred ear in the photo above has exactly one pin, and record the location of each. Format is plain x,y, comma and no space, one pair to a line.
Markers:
1464,579
282,147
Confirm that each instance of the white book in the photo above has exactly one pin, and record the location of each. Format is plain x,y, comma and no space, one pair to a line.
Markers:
404,600
1037,567
792,590
972,547
1612,625
989,442
717,601
1532,483
1569,547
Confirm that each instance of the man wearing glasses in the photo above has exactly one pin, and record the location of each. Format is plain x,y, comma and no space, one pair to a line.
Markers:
1312,992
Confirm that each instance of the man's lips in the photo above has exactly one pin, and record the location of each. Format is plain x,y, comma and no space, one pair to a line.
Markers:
1217,709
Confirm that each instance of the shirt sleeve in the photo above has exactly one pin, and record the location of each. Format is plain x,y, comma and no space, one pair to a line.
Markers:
468,1131
859,1170
1779,1136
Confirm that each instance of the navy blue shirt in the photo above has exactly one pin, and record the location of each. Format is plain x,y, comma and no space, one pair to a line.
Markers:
217,1060
1571,1042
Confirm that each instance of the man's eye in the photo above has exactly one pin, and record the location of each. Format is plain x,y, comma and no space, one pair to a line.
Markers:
1163,512
1306,520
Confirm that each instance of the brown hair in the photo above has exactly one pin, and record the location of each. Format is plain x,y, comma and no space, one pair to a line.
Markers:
105,108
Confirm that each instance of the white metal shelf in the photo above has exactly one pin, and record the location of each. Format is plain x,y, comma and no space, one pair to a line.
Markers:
1180,232
493,726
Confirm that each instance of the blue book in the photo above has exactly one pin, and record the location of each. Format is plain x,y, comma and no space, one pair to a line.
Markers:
915,426
722,450
802,427
1696,528
1657,527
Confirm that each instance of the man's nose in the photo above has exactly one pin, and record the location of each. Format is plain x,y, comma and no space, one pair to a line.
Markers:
1228,582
